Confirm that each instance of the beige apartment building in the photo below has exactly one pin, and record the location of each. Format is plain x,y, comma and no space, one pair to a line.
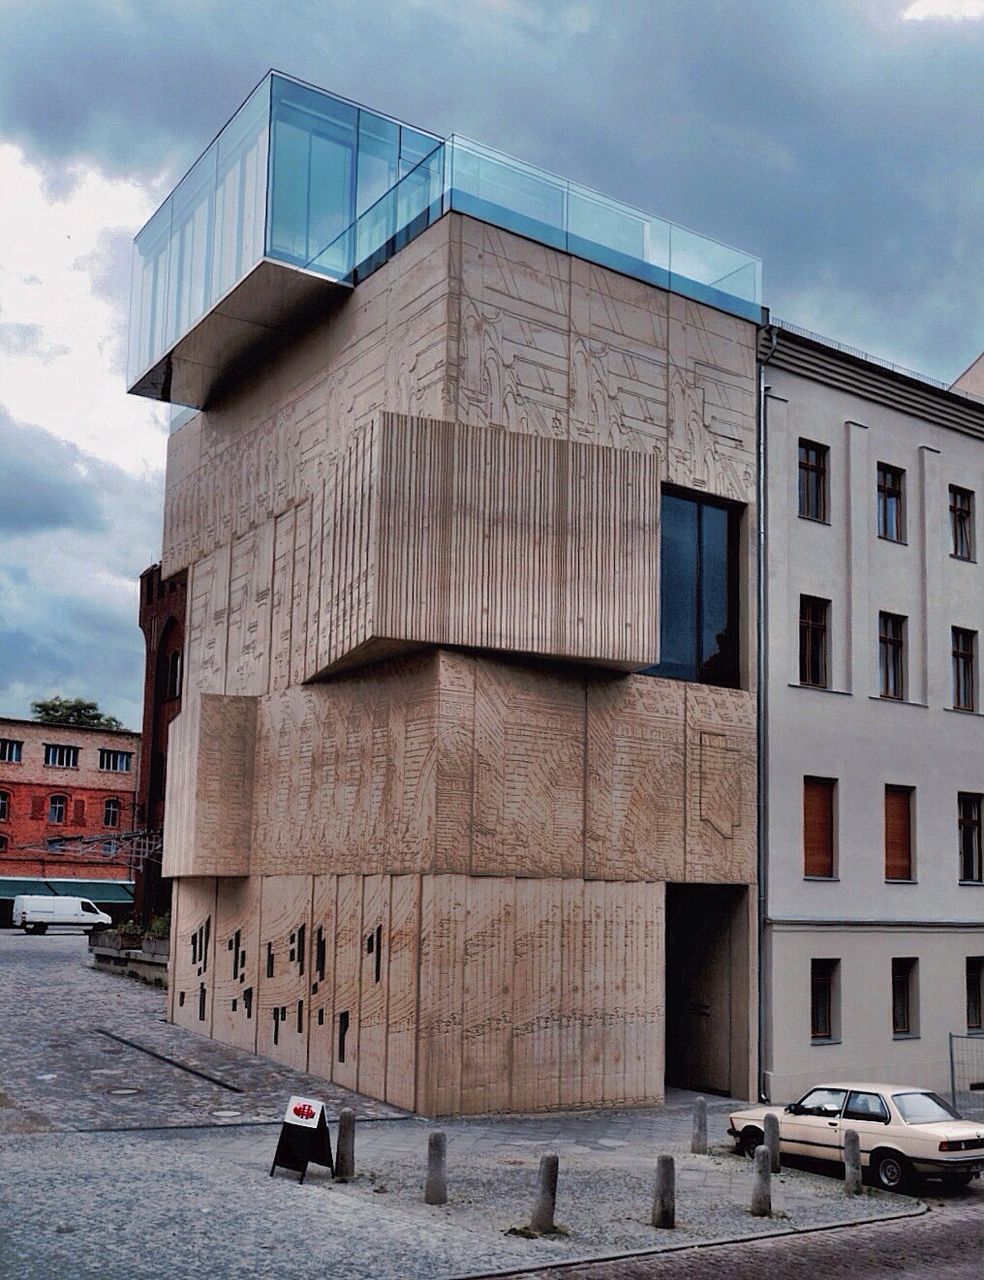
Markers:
873,942
461,801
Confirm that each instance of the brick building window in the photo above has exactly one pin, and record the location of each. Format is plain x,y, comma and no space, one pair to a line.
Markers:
114,761
111,813
4,806
57,806
172,676
964,669
818,827
962,523
813,641
898,833
975,993
891,511
905,972
10,751
891,655
969,828
59,756
813,480
3,843
824,976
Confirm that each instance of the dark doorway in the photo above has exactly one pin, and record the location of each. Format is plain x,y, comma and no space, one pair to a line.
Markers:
707,967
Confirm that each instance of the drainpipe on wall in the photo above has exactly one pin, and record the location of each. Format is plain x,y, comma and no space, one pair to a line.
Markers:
761,664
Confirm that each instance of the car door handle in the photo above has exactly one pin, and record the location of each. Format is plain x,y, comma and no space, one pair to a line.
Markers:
832,1124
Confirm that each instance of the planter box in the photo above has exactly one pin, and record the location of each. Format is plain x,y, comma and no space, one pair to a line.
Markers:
156,946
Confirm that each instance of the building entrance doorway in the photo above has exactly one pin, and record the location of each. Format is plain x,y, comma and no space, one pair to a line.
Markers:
707,988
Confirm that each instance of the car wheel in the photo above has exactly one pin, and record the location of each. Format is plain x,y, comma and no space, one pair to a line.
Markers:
749,1140
955,1181
892,1171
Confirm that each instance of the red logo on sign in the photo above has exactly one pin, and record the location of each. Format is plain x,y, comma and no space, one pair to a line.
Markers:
304,1110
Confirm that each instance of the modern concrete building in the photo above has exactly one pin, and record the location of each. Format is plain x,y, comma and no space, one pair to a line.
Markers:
873,947
461,801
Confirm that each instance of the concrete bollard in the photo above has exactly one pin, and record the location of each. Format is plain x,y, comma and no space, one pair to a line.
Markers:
664,1201
772,1141
852,1162
546,1198
345,1150
698,1141
762,1186
436,1187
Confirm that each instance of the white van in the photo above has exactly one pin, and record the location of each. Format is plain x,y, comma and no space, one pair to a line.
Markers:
34,912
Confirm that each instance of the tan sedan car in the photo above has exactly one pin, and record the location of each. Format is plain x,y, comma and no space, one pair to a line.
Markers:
903,1130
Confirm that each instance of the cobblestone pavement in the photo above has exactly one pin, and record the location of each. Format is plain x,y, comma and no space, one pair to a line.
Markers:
109,1185
60,1070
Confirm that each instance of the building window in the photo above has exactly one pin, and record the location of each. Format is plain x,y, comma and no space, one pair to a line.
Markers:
57,806
975,993
813,641
824,999
898,833
114,761
58,756
3,843
699,575
969,825
962,522
4,806
172,677
891,655
10,751
111,813
891,515
904,996
964,669
818,827
813,480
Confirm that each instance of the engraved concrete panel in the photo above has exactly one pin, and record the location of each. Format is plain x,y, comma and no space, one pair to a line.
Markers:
285,935
192,977
321,989
721,782
237,951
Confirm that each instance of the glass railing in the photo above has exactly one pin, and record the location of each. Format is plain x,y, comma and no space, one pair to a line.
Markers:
302,177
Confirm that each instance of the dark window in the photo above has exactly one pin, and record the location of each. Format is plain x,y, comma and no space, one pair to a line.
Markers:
813,480
172,685
58,756
10,751
4,806
891,522
969,824
865,1106
823,974
962,522
114,761
698,590
818,827
813,641
904,996
56,808
964,674
3,842
898,833
975,993
891,655
111,813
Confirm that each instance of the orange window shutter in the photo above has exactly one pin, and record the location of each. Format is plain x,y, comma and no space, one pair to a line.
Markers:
898,834
818,827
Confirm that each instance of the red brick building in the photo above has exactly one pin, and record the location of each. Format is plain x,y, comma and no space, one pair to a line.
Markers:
162,617
60,785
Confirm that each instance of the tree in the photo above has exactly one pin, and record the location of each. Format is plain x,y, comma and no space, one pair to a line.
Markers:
77,711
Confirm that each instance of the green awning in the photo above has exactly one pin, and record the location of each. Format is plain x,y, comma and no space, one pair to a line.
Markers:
10,888
94,890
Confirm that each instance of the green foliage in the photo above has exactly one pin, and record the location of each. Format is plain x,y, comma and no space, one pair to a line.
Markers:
75,711
160,926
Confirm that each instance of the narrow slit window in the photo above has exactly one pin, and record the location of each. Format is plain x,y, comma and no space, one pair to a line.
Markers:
813,641
891,656
964,646
812,480
961,523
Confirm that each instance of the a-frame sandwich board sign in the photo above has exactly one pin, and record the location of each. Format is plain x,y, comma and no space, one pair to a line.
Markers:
304,1138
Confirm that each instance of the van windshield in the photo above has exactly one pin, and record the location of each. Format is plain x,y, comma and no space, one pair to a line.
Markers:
87,906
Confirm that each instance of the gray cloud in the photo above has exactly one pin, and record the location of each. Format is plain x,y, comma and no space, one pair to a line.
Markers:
77,532
28,339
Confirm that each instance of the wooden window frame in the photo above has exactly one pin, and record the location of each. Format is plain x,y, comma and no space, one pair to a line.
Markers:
891,656
975,993
961,523
823,1001
814,858
891,485
969,804
898,832
812,480
814,633
905,1012
964,652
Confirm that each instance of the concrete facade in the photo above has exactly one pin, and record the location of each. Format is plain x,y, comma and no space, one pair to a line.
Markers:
420,813
846,732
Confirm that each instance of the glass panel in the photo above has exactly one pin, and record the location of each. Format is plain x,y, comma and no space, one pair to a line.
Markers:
192,209
678,588
379,158
710,271
715,589
508,193
148,292
414,146
617,236
241,181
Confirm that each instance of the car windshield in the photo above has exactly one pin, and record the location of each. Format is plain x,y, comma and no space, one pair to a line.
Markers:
924,1108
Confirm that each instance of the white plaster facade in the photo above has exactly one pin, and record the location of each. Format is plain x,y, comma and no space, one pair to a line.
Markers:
848,733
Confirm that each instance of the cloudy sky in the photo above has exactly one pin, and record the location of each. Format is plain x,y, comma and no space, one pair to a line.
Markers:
840,140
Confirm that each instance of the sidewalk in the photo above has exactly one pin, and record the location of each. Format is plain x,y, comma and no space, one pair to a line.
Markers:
173,1180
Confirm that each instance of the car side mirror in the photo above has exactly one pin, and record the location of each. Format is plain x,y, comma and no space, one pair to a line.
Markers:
793,1109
